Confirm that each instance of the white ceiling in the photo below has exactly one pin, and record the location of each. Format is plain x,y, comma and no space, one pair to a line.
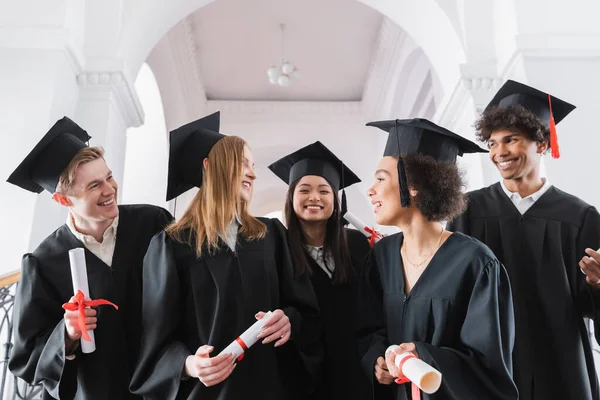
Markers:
331,42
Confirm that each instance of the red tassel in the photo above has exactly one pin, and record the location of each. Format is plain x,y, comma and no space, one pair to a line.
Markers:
553,136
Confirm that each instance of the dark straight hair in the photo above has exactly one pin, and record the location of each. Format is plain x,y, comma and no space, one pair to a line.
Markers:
336,244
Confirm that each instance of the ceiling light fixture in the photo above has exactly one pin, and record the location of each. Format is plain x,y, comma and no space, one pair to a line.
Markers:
286,72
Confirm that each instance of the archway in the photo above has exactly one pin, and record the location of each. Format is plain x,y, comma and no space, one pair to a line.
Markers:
148,25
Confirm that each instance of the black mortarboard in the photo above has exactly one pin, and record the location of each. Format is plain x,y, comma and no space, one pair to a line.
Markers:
420,136
315,159
549,109
189,146
43,166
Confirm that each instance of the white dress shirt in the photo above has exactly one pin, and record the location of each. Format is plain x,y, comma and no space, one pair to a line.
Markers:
326,263
524,204
104,250
230,236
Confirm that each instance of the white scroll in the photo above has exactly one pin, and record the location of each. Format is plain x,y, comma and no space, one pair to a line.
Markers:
247,339
427,378
361,226
80,282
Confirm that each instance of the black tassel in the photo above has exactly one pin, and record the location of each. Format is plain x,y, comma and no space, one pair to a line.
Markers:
344,208
404,194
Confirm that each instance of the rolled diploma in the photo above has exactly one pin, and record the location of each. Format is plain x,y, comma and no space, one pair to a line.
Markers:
358,224
427,378
80,282
248,337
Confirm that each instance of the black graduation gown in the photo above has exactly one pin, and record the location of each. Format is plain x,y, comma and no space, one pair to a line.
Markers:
458,314
341,377
38,354
189,302
541,250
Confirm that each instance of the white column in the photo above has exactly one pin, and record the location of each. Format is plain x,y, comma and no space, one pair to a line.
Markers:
489,29
108,106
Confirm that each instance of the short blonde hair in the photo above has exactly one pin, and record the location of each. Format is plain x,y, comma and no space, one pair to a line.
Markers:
67,177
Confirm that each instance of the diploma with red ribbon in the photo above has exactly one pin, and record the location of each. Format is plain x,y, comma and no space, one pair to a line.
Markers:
80,304
82,291
421,375
369,232
243,342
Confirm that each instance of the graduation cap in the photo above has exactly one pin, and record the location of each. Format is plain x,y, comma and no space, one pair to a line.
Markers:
315,159
42,167
189,145
420,136
549,109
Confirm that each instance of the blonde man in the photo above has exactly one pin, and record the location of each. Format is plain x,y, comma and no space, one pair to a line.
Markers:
47,338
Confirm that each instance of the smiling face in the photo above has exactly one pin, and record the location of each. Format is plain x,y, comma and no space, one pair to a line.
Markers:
385,193
248,176
514,154
313,199
93,196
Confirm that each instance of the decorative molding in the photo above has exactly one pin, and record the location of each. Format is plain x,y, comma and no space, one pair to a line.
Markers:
482,89
424,98
287,108
182,48
190,43
117,84
390,40
481,84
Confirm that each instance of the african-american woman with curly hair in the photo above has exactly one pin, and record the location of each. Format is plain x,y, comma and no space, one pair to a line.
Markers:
442,296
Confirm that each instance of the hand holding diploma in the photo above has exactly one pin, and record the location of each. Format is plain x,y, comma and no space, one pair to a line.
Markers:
72,321
403,362
278,328
382,374
590,266
210,371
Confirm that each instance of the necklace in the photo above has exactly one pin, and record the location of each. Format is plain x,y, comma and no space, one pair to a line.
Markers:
418,265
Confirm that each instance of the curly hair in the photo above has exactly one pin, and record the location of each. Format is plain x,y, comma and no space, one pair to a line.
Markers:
439,187
513,117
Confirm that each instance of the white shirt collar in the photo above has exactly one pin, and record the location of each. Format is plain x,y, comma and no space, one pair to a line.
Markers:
110,232
534,196
105,250
325,262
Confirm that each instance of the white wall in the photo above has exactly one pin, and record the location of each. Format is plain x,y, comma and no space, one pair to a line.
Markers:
37,87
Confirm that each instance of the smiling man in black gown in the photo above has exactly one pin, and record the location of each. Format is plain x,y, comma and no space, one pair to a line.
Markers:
539,233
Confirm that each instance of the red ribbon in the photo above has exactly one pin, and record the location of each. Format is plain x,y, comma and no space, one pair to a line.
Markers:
416,393
80,304
243,346
375,236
